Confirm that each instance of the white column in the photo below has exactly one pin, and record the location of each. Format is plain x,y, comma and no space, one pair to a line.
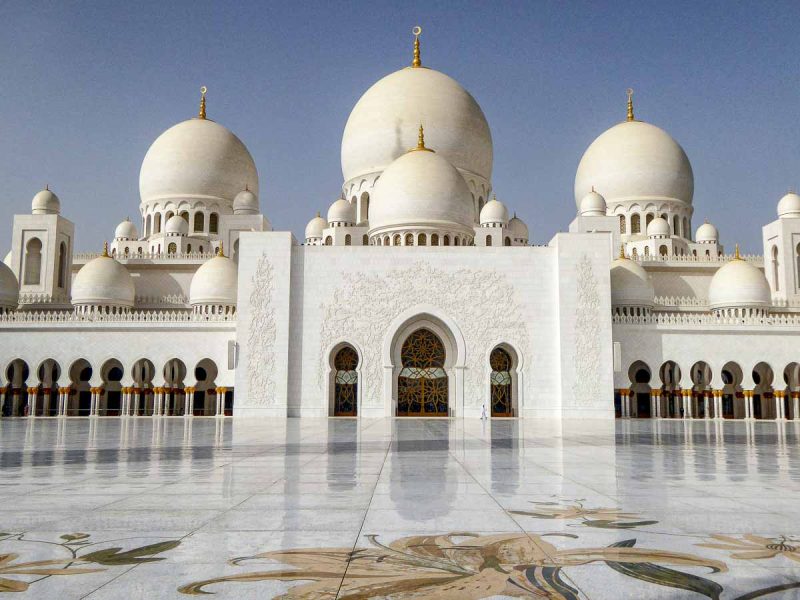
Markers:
795,406
657,402
706,406
157,401
778,406
188,402
687,404
748,404
221,401
3,393
32,401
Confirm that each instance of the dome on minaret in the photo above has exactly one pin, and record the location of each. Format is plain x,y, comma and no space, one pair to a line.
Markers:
197,160
45,203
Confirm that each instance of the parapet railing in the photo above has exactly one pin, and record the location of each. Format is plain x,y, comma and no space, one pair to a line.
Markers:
86,256
681,301
756,259
135,316
697,318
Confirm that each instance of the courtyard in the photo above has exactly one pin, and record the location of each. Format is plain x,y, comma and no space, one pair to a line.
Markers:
400,508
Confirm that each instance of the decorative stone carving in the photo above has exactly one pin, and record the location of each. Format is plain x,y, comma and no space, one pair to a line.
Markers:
482,303
587,336
261,335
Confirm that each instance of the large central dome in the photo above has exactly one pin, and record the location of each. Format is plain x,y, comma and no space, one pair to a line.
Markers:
195,160
383,125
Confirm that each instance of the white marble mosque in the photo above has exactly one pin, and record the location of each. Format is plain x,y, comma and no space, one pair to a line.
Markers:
418,293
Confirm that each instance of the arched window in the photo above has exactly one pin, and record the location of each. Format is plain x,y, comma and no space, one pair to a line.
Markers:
422,386
663,250
647,220
396,240
199,221
345,392
172,248
676,224
185,216
329,241
170,214
501,401
434,239
139,250
646,251
365,239
507,241
635,253
422,240
636,224
446,242
147,223
409,239
62,264
622,224
363,208
686,228
188,248
348,241
488,240
213,223
33,261
127,250
157,223
201,250
775,273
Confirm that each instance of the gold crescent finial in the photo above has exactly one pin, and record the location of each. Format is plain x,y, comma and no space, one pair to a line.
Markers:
105,249
629,91
202,113
417,62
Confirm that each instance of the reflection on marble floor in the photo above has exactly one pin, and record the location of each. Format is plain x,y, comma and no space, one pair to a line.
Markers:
340,508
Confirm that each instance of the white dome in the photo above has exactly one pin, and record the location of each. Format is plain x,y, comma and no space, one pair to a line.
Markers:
739,284
315,227
789,206
341,211
215,283
197,160
518,228
421,188
630,284
45,203
9,288
635,161
383,124
245,203
494,212
103,282
126,231
706,233
658,227
592,205
176,225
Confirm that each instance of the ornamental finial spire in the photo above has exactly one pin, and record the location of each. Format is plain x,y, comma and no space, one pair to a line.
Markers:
622,250
736,255
105,249
629,91
220,251
421,141
202,113
417,62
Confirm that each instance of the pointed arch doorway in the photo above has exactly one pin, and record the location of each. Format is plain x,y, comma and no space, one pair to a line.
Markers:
422,385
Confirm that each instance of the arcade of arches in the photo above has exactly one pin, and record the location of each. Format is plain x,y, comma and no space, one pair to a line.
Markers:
112,389
735,393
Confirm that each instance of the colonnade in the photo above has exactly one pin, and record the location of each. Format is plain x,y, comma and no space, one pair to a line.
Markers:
707,404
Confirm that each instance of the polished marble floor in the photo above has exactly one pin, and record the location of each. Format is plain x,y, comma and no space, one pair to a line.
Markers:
405,508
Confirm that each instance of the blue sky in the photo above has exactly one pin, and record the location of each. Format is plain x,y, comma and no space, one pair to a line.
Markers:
87,86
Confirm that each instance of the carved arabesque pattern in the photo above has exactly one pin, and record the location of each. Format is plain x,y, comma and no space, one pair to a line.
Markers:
261,336
587,336
483,304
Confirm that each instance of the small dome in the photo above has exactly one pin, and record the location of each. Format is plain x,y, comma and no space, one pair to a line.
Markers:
245,203
103,282
706,233
593,205
519,230
658,227
494,212
421,188
789,206
215,283
341,211
315,227
176,225
738,284
635,160
45,203
126,231
630,284
9,288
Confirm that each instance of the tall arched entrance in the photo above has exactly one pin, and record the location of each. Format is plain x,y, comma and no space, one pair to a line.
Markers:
422,386
500,362
345,385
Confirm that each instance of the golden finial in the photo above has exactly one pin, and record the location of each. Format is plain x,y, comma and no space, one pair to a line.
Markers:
629,91
622,250
421,141
318,215
202,113
417,62
47,187
220,252
105,249
736,255
246,187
